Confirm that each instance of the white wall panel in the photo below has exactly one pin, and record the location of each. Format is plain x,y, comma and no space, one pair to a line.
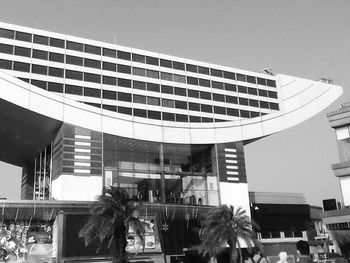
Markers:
235,194
345,188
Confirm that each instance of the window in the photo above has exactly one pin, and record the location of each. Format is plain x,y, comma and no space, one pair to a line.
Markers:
166,63
107,52
219,110
206,108
20,66
23,36
38,69
264,104
205,95
109,107
195,119
168,116
243,101
153,87
192,80
109,66
272,94
261,81
76,90
262,92
203,70
109,80
139,99
91,63
92,49
168,103
194,106
154,115
7,49
124,110
92,77
39,83
193,93
41,40
180,91
229,75
204,82
124,69
124,96
204,119
242,89
74,60
72,74
218,97
139,85
254,114
92,92
178,65
152,74
56,72
108,94
231,99
244,114
216,72
271,83
124,55
55,42
22,51
55,87
39,54
138,58
124,83
217,85
191,68
152,61
167,89
5,64
181,105
251,79
232,112
253,103
166,76
56,57
74,46
181,118
252,91
138,71
273,106
241,77
179,78
230,87
140,113
6,33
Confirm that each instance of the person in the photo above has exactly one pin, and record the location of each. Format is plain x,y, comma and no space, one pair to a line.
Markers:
283,257
303,251
257,256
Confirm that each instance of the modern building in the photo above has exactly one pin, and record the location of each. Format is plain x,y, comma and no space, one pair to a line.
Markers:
79,114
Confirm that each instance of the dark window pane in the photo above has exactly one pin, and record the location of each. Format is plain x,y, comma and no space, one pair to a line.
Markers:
139,85
56,72
124,55
39,54
204,119
168,116
270,83
92,49
181,118
55,42
154,115
74,46
274,106
203,70
152,61
167,89
55,87
109,80
252,91
23,36
229,75
56,57
180,91
91,63
194,106
138,71
241,77
92,92
206,108
109,66
253,103
254,114
122,96
166,63
272,94
6,33
178,65
139,99
231,99
39,83
71,89
168,103
218,97
153,87
179,78
195,119
192,80
242,89
204,82
230,87
124,83
74,60
205,95
216,72
232,112
96,105
261,81
242,101
124,69
152,74
41,40
181,105
23,51
191,68
251,79
72,74
193,93
217,85
264,104
109,107
138,58
109,94
109,52
244,114
20,66
166,76
7,49
92,77
38,69
125,110
219,110
262,92
140,113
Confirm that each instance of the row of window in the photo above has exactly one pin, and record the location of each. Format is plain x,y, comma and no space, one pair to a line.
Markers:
339,226
86,62
43,40
90,77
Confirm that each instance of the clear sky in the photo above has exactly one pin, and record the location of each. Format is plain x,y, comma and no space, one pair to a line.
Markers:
304,38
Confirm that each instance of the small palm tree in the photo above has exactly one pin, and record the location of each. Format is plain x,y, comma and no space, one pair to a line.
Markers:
111,216
226,226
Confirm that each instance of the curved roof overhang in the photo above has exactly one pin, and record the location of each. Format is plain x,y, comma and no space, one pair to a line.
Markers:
299,100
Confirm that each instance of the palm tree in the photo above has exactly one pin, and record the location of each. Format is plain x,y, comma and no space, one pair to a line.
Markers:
111,216
226,226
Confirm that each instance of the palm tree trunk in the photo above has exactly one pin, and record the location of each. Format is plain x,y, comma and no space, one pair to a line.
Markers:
120,255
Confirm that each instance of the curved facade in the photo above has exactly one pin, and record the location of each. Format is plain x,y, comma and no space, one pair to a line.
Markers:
168,129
